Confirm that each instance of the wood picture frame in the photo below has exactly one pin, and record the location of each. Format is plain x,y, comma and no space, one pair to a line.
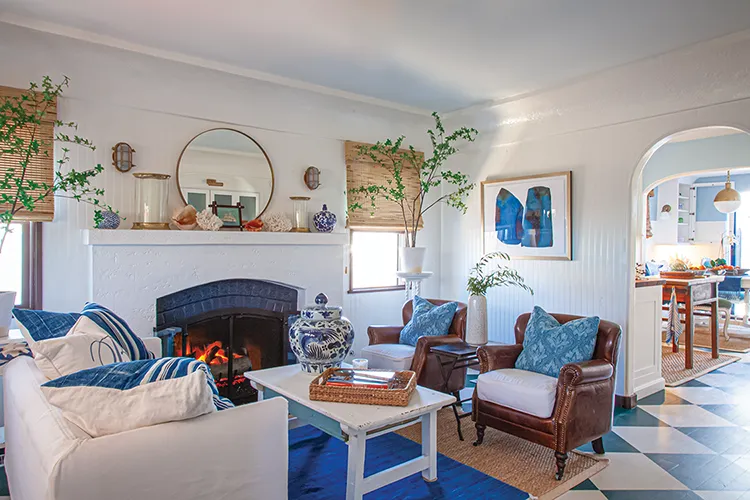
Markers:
529,217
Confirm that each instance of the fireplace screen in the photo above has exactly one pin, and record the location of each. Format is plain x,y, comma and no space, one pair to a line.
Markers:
232,344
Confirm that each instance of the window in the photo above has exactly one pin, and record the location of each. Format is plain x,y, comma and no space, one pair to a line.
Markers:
374,261
19,264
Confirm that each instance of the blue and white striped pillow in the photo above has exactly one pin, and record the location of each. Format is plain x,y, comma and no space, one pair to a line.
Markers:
118,329
132,374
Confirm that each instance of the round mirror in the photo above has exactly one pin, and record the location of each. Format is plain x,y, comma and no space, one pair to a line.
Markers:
226,167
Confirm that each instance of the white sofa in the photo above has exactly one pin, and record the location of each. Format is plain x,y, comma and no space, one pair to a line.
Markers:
240,453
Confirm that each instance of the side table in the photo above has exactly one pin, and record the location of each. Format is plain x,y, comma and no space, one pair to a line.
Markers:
453,357
413,282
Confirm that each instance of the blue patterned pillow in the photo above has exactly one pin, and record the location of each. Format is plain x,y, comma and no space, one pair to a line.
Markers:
131,374
116,328
548,345
427,320
43,325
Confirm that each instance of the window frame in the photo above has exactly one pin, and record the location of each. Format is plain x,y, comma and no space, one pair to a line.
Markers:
31,265
350,270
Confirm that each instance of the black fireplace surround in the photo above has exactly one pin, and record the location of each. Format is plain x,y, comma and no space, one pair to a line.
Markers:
233,325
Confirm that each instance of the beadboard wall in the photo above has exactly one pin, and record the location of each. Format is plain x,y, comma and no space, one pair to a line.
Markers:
157,106
600,128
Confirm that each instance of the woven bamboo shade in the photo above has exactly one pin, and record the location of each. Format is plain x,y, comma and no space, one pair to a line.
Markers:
362,170
41,169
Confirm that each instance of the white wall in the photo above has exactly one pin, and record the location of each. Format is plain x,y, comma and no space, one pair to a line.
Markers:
157,106
600,128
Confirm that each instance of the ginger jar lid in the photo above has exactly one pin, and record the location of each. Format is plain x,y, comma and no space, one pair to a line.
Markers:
321,310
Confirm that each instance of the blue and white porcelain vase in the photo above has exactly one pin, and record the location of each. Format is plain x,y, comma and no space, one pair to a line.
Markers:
110,220
324,221
321,338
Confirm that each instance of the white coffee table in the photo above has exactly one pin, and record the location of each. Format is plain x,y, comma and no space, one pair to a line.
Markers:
355,424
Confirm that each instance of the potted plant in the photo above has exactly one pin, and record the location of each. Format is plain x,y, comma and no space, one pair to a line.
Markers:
479,282
21,119
431,173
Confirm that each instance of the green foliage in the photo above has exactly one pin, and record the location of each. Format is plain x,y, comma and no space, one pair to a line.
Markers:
17,192
480,281
431,173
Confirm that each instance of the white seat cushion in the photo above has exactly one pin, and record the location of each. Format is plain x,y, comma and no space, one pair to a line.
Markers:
522,390
389,356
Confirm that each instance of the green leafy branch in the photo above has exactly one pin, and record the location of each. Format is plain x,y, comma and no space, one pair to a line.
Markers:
21,120
394,159
480,281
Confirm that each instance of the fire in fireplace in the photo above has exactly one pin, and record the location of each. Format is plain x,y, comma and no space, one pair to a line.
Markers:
234,326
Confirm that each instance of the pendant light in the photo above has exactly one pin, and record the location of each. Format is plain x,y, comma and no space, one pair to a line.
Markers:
727,200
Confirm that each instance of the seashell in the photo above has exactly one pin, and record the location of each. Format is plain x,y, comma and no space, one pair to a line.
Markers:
185,218
254,225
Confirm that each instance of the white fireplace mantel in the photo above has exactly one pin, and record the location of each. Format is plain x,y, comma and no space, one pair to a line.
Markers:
127,237
130,269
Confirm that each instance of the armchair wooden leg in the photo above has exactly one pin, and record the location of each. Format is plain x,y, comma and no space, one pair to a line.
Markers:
561,458
598,445
480,433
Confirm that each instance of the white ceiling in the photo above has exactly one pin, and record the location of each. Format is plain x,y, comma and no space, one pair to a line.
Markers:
430,54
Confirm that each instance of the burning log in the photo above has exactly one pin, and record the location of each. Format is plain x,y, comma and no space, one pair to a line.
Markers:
211,353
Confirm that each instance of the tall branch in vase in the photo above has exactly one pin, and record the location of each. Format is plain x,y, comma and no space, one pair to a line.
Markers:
397,159
21,119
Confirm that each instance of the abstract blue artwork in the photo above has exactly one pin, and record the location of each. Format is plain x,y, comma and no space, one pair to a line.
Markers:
528,217
529,226
508,218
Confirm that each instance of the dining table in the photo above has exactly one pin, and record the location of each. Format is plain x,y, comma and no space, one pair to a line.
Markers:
692,292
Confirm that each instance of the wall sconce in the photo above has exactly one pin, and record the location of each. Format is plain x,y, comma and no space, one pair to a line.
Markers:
122,156
312,178
665,210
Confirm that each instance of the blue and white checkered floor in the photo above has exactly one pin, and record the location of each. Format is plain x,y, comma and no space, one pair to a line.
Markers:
690,442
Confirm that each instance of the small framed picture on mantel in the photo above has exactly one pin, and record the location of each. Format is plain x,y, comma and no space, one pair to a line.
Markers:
528,217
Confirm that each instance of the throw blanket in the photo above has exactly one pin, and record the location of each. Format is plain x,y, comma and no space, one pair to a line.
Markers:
674,327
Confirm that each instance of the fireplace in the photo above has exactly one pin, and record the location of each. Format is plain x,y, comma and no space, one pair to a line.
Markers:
233,325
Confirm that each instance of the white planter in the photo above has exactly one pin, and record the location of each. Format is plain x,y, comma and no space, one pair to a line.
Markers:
7,301
476,320
412,259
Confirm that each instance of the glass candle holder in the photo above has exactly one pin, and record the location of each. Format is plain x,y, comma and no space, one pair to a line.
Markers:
151,196
299,221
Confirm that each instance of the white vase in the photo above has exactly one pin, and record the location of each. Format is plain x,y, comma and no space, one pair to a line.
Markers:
7,302
476,320
412,259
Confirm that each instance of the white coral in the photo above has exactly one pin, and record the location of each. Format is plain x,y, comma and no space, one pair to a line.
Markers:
208,221
277,223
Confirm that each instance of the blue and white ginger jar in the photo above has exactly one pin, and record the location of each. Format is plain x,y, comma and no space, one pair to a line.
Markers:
324,221
321,338
110,220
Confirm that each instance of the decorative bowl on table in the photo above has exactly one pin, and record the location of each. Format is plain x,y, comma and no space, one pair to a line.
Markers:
678,275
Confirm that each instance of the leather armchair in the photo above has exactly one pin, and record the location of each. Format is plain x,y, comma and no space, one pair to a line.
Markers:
424,364
584,400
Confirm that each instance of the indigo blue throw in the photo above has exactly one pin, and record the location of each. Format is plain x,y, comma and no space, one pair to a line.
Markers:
427,320
131,374
42,325
548,345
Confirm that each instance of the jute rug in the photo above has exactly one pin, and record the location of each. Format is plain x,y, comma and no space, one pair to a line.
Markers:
515,461
739,340
673,365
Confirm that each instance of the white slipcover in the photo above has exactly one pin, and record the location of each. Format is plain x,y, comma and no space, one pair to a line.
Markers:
240,453
522,390
389,356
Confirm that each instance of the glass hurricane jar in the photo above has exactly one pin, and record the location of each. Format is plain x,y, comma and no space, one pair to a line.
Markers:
151,196
299,221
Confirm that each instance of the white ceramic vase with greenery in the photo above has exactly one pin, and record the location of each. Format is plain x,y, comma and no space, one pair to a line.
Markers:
481,279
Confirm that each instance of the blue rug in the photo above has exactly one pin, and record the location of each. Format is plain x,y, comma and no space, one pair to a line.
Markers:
317,471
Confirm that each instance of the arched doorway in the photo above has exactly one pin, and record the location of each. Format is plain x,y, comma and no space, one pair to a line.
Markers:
698,159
